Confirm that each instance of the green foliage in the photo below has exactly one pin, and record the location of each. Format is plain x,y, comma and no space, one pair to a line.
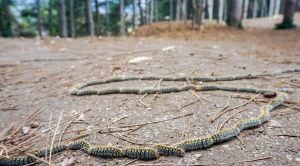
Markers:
30,33
285,25
5,18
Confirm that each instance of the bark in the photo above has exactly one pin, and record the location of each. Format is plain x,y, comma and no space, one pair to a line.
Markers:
134,14
288,15
221,10
198,12
39,20
236,8
277,7
72,19
107,16
89,18
245,10
254,12
289,11
97,21
50,17
210,7
122,20
271,8
141,12
171,9
62,19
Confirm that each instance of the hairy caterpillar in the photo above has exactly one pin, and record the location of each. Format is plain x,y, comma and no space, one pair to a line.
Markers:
196,144
79,145
105,151
56,149
168,150
140,153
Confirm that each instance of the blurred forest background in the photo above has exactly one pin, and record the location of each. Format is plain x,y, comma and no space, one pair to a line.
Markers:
75,18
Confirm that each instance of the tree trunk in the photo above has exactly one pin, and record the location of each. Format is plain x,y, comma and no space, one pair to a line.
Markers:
107,16
171,9
204,7
50,18
225,10
263,8
178,4
289,11
39,20
134,14
151,11
122,21
141,12
221,10
198,12
236,8
245,10
72,19
210,7
254,12
97,21
277,7
62,19
89,18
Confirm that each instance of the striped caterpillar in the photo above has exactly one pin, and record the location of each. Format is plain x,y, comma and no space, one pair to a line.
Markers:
178,149
151,153
75,89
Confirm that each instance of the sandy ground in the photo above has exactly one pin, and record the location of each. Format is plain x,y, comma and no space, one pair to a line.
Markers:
37,74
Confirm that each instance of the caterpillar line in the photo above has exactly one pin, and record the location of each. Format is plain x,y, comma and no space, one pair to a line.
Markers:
154,152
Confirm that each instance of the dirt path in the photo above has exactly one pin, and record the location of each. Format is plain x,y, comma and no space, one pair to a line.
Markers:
37,74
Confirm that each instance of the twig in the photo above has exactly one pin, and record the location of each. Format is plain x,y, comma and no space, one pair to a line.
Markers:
288,135
198,97
141,100
125,139
240,139
5,150
53,138
255,159
158,86
65,129
227,119
158,121
130,162
290,106
221,110
243,104
53,60
49,134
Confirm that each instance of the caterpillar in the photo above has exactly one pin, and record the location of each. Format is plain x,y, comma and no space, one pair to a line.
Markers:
105,152
196,144
79,145
164,150
140,153
202,79
178,149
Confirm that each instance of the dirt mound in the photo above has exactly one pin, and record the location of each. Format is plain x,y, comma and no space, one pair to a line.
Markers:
171,29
